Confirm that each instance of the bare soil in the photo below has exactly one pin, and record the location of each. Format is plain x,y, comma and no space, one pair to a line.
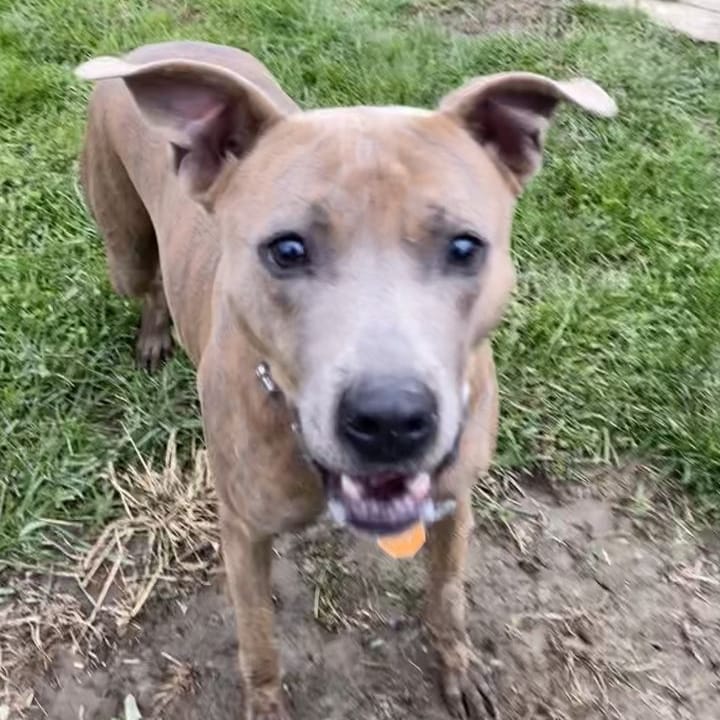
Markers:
472,17
594,601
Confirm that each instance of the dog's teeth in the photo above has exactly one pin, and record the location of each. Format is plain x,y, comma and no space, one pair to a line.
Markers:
362,509
350,487
446,507
377,511
465,394
337,512
427,511
404,506
431,513
398,506
419,486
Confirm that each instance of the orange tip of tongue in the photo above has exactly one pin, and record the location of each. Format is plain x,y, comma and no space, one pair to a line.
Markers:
406,544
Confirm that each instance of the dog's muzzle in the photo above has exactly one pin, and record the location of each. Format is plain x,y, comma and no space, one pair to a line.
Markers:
383,503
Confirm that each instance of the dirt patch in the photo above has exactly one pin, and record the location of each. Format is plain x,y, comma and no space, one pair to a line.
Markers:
594,601
472,17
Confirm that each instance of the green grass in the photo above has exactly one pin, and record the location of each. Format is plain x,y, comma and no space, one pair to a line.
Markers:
611,348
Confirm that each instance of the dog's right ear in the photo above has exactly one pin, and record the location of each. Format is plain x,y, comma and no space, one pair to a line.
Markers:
207,112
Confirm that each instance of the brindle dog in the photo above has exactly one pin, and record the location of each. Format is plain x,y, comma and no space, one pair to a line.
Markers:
361,257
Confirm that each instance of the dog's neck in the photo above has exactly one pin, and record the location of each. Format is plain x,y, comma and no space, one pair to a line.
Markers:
276,394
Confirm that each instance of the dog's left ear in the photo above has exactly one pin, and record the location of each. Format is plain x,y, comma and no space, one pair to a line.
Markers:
509,115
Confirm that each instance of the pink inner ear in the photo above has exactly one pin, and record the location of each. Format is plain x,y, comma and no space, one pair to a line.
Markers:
203,117
537,103
176,100
193,104
215,123
510,129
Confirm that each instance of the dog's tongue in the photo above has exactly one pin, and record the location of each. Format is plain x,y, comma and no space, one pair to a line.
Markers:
404,545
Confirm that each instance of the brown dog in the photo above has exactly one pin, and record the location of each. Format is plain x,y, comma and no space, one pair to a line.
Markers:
334,275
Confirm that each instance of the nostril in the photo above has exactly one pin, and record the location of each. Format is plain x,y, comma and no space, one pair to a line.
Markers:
364,425
416,425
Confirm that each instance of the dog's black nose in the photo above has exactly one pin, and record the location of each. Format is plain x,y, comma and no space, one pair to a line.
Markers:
388,420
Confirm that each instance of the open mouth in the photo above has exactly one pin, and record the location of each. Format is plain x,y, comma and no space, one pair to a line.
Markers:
385,503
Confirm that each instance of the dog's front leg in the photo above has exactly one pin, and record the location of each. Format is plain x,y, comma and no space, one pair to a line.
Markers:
248,563
466,683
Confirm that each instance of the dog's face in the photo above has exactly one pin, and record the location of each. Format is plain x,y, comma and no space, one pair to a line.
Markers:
365,252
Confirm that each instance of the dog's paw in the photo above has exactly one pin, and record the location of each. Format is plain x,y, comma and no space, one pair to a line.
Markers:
470,694
153,348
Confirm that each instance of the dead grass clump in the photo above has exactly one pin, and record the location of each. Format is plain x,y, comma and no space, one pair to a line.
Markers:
35,614
168,534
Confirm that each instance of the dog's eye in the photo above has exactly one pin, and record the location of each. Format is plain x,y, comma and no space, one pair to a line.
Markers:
466,251
287,252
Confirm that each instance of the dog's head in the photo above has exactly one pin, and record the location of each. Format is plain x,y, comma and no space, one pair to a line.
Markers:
365,252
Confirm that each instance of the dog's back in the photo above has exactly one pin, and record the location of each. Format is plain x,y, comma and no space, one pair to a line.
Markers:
140,208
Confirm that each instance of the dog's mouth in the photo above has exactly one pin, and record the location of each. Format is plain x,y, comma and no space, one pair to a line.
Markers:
384,503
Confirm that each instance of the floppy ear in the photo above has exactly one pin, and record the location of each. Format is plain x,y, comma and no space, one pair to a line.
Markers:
206,112
509,114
